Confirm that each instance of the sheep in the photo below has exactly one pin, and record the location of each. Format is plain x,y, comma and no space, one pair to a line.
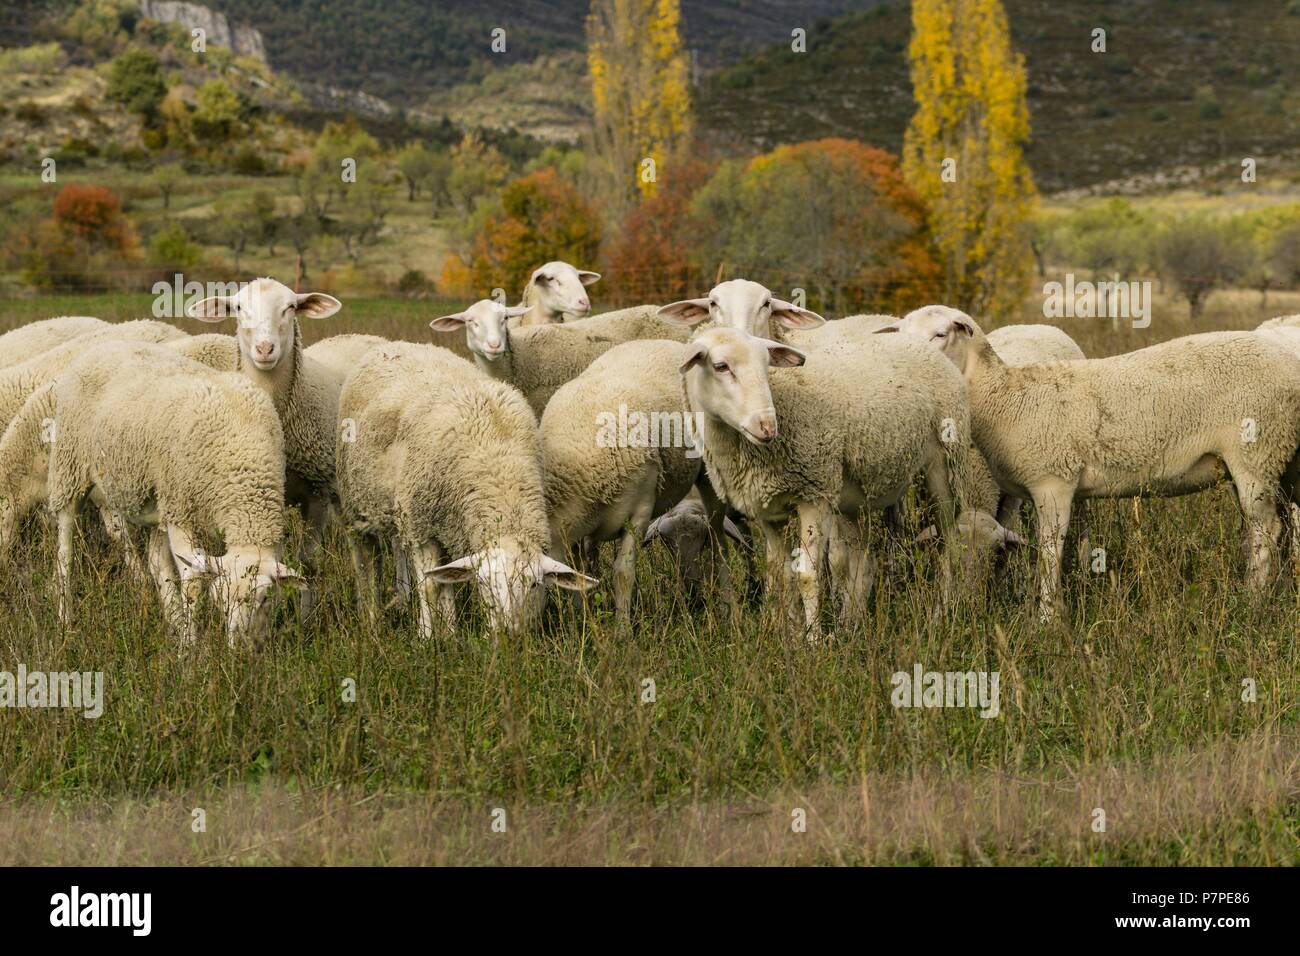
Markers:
741,304
341,353
1165,420
447,461
686,530
620,450
846,441
556,292
166,443
34,338
1284,331
539,359
267,350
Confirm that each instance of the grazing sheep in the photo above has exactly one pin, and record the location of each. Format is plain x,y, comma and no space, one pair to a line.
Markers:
620,449
556,292
539,359
1170,419
166,443
823,441
34,338
341,353
267,350
686,531
447,461
745,305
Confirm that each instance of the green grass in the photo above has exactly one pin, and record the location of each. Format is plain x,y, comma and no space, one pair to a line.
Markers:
1134,704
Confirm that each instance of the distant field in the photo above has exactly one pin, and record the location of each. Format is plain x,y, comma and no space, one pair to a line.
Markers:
1133,705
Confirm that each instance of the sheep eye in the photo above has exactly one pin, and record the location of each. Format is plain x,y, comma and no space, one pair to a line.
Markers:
719,366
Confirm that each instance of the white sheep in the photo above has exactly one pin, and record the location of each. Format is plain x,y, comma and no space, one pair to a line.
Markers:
341,353
1165,420
168,444
538,359
825,441
34,338
556,292
742,304
620,449
1284,330
267,350
447,461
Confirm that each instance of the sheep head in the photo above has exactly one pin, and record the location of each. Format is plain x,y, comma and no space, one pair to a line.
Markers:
951,331
486,327
741,304
264,312
726,378
558,290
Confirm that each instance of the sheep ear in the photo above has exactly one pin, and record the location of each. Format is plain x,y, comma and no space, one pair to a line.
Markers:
588,278
964,325
1010,539
317,305
731,531
196,565
655,530
685,312
515,311
286,575
561,575
925,537
455,572
782,356
891,327
795,317
216,308
448,323
696,353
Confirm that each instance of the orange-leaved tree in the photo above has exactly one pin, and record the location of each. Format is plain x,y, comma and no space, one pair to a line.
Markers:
540,217
833,217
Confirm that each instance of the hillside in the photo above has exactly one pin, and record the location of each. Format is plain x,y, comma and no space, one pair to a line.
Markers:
405,49
1183,82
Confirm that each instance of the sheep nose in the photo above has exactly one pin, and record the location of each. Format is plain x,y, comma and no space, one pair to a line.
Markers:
265,350
494,343
764,426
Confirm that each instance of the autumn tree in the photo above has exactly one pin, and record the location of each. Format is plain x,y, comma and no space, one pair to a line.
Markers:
832,216
964,150
640,93
541,217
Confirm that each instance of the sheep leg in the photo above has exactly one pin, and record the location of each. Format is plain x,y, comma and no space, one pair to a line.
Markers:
1080,520
436,601
774,546
316,516
119,531
1263,527
939,487
1052,505
401,574
171,592
808,565
67,520
365,557
716,512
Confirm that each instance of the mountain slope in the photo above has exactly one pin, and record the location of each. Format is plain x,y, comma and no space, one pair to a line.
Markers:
1183,82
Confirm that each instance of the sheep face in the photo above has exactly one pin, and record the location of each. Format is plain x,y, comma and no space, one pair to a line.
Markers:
741,304
264,311
726,379
685,530
510,581
240,581
949,330
486,327
560,290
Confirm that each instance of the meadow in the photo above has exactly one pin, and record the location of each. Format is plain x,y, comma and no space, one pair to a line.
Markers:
1133,705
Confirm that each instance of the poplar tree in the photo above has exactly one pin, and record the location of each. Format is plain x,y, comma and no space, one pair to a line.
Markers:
964,151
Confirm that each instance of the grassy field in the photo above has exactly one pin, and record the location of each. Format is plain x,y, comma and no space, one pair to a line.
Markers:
1133,705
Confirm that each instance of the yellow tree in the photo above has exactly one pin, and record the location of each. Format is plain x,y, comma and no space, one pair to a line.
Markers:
964,150
640,92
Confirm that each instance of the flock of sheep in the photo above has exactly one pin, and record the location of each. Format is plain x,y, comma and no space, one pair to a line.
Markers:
488,471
